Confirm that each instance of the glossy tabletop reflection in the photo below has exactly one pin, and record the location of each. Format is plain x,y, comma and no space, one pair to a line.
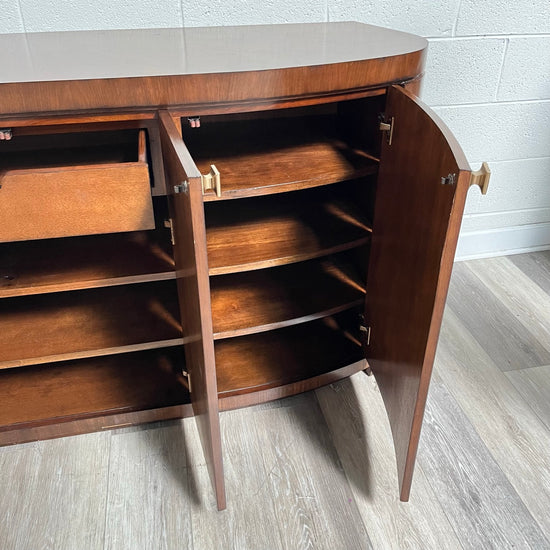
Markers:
84,55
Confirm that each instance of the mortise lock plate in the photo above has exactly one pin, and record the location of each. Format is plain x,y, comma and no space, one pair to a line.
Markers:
212,181
387,127
481,178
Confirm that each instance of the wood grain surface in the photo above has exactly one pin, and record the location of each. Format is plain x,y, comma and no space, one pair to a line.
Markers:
297,475
46,203
59,484
278,357
245,523
307,483
39,267
536,266
58,327
474,487
187,214
65,185
259,157
534,386
355,415
200,66
52,393
412,251
515,436
257,233
528,302
498,328
154,461
267,299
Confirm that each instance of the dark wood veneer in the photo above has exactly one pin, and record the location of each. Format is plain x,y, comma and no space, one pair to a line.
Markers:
262,293
194,297
405,305
72,325
268,299
280,357
61,392
261,157
76,263
259,233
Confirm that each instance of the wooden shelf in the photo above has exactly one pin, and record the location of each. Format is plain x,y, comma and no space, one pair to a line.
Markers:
263,232
260,157
91,387
268,299
54,265
72,325
275,358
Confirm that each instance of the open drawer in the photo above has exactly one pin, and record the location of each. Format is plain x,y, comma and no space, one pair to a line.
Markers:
62,185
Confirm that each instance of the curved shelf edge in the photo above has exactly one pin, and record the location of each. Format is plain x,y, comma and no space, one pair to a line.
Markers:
288,322
16,292
285,260
228,400
286,187
88,354
64,426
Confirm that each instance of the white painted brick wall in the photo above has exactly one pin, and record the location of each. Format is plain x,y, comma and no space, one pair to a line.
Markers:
488,77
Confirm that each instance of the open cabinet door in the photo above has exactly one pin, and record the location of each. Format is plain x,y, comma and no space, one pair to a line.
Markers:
187,211
422,185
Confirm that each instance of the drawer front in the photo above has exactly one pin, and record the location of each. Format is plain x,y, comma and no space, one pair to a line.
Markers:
78,200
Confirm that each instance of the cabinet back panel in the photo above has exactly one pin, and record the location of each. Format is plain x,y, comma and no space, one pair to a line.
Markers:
54,327
53,265
256,156
261,232
52,393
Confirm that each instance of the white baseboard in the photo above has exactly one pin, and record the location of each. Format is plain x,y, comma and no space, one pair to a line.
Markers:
501,242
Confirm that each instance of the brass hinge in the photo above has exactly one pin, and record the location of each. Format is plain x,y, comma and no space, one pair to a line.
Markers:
182,188
6,134
386,126
481,178
170,225
212,181
449,179
365,334
187,376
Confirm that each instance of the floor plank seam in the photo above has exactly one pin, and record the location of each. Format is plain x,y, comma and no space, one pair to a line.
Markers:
341,462
108,488
442,506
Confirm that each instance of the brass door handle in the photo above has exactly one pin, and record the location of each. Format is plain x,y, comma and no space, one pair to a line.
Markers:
481,178
212,181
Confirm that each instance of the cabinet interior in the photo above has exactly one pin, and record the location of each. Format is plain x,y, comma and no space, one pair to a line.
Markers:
288,254
91,323
70,149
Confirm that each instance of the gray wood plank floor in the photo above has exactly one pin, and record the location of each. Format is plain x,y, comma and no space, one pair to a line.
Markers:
317,471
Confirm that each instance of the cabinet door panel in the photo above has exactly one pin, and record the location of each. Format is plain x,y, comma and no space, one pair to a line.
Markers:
187,213
416,225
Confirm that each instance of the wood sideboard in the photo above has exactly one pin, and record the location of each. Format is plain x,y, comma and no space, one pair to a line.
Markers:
196,220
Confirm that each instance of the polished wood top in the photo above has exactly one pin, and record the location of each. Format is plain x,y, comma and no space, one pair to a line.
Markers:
198,70
83,55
